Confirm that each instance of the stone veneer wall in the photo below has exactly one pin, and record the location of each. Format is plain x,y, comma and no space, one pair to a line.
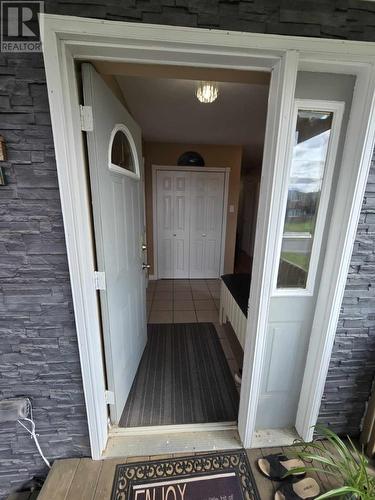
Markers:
352,366
39,354
38,342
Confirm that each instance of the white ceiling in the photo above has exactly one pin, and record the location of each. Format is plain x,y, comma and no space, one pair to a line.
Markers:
168,111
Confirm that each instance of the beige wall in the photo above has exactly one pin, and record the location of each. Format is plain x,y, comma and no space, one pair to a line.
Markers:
157,153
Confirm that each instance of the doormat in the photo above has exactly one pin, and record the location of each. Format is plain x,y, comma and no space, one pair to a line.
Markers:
214,476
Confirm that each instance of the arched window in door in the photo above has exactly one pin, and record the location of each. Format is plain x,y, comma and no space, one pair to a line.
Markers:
123,157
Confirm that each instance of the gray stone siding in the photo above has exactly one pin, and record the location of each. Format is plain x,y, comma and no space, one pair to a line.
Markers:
39,354
346,19
352,366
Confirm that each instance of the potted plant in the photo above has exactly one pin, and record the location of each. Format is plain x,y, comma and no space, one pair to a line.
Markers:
342,461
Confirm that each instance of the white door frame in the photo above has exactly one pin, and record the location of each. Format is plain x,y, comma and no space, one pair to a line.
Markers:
66,39
155,169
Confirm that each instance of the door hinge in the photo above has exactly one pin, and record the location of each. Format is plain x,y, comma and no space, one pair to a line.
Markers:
99,280
109,397
87,123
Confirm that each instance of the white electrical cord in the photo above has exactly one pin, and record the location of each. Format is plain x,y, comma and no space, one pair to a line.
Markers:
33,434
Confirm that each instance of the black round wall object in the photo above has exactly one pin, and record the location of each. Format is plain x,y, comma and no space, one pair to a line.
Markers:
190,159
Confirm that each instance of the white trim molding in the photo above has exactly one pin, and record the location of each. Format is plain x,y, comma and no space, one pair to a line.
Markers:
278,126
68,40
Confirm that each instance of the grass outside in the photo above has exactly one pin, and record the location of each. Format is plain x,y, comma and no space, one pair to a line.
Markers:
298,259
299,227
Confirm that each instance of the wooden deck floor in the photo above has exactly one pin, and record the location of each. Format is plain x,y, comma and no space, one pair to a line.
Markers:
85,479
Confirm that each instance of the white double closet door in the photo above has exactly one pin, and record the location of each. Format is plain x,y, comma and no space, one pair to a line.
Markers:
190,209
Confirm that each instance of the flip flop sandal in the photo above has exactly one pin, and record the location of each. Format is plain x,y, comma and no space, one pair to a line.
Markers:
276,466
305,489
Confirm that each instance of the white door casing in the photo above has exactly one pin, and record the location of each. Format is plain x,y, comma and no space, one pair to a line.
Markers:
206,223
280,108
173,205
118,214
68,39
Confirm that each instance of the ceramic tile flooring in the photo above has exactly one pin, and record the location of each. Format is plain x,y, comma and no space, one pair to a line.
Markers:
189,301
183,301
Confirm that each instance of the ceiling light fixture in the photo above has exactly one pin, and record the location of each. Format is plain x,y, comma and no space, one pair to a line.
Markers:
207,92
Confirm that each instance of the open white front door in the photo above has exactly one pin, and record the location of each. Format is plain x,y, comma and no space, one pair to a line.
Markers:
115,155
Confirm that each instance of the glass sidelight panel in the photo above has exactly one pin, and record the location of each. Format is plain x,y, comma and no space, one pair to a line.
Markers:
308,168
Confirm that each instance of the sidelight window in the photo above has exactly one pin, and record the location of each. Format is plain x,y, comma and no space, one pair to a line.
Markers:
312,158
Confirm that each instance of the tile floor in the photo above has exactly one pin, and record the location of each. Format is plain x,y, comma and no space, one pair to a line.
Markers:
183,301
189,301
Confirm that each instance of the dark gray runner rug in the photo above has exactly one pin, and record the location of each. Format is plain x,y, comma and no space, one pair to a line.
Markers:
183,378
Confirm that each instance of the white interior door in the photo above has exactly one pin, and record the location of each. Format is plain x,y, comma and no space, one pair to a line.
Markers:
304,221
206,223
172,206
114,150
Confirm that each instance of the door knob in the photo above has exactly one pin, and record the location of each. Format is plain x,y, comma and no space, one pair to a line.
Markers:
146,266
204,234
144,247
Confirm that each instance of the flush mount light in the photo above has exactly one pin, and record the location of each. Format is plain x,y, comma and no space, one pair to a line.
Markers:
207,92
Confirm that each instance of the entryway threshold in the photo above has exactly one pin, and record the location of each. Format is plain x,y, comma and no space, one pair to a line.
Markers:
148,441
274,437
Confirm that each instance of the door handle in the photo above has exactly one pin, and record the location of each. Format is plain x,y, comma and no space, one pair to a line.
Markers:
204,234
146,266
144,247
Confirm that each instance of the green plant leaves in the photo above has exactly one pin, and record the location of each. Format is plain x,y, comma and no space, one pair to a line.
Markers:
339,492
338,459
